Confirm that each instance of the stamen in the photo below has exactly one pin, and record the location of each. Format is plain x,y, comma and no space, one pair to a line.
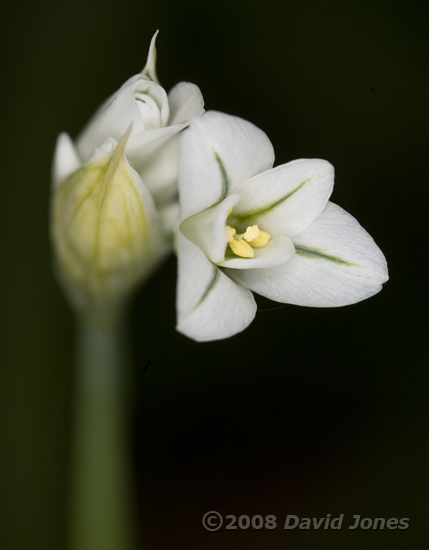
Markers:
241,244
230,232
252,233
261,240
241,248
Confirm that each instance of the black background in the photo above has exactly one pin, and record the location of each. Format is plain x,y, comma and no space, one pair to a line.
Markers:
308,412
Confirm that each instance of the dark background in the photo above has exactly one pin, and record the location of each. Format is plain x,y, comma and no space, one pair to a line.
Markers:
308,412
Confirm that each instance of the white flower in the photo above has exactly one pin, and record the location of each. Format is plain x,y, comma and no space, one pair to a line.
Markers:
246,226
104,226
156,119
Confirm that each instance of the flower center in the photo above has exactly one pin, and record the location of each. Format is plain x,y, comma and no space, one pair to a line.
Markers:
242,244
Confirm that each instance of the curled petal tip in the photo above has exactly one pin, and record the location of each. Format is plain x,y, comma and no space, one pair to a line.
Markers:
150,67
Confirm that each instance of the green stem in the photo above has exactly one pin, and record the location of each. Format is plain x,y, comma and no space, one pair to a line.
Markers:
102,515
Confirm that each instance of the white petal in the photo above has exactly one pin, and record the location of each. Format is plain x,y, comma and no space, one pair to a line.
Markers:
210,306
207,229
105,148
218,153
286,199
143,145
277,252
186,102
336,263
150,67
66,160
152,102
120,111
113,118
159,172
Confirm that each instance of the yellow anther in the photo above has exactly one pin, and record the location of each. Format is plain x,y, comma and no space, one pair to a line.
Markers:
252,233
241,248
261,240
230,232
241,244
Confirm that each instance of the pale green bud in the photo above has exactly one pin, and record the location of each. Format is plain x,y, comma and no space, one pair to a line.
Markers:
104,227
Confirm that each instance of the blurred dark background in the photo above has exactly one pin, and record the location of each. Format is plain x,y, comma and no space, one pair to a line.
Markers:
308,412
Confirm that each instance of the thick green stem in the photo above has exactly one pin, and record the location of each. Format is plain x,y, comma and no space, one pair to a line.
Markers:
102,511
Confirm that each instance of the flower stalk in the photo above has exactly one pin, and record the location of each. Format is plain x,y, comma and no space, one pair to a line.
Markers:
101,505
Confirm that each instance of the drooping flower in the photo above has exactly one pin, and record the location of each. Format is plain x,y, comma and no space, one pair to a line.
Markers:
104,227
156,119
246,226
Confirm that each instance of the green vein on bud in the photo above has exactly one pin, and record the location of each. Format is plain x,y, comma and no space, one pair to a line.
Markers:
118,155
101,230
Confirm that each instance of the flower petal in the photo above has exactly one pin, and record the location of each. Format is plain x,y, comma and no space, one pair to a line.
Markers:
120,111
277,252
143,145
112,119
207,229
210,306
150,67
336,263
159,172
152,102
218,153
186,102
66,160
286,199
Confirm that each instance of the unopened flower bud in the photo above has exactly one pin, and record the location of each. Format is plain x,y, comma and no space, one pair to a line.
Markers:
104,226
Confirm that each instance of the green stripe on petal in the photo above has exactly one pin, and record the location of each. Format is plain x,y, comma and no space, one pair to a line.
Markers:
319,254
211,284
224,177
251,214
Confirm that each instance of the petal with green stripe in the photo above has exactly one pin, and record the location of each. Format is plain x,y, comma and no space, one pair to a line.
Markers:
336,263
218,153
210,306
286,199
